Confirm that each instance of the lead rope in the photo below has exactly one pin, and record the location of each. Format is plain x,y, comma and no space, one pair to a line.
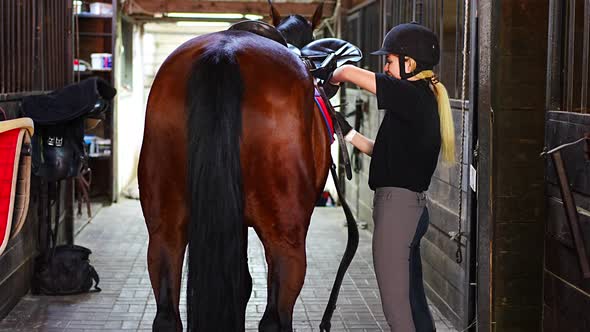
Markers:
457,237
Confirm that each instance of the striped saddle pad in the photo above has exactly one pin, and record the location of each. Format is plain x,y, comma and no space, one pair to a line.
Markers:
15,170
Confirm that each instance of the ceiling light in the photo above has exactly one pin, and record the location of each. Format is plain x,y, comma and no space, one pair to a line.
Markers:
253,17
202,24
226,16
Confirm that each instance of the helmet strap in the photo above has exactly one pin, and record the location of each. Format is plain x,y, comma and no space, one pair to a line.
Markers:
402,68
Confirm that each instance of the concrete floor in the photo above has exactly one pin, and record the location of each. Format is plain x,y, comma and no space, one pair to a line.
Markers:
118,238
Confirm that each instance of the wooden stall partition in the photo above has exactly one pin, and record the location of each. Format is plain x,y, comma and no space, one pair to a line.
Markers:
35,58
511,210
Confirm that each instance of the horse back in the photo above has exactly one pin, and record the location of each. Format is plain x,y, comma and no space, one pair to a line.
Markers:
274,78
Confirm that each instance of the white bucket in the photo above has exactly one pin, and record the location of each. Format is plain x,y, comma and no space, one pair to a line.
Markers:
99,8
102,61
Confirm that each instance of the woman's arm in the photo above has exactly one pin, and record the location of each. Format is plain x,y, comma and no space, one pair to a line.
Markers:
366,80
362,143
361,77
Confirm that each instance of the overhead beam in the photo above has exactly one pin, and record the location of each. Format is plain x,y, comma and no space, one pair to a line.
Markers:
153,7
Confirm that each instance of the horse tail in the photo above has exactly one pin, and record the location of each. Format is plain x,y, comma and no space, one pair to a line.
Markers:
216,263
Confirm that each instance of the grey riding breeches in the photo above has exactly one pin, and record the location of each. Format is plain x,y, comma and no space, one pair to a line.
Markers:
401,220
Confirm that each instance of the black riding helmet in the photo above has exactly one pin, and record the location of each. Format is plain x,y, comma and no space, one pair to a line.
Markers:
415,41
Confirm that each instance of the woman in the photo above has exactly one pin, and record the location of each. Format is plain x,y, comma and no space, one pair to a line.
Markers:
404,154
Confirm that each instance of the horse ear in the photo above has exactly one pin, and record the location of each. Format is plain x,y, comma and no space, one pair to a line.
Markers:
317,16
274,14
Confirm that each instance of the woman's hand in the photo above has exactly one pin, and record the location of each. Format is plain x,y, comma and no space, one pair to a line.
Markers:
344,125
362,143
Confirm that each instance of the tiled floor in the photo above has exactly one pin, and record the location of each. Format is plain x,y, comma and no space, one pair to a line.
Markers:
118,238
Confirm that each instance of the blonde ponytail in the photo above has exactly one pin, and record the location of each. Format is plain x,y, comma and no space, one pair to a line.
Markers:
447,129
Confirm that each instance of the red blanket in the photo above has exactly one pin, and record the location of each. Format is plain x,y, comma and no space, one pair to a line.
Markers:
8,168
15,174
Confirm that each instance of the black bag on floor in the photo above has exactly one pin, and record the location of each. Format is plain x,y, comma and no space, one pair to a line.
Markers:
64,270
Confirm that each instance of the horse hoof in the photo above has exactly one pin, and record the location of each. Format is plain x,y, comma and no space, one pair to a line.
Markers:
269,327
164,324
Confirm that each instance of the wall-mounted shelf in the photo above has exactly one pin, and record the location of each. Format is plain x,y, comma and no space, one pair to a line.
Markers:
96,34
89,15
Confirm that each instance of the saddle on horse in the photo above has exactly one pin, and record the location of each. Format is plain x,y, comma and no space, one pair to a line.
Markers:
15,169
325,54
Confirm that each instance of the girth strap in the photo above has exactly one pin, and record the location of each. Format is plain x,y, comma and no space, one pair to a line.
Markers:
338,130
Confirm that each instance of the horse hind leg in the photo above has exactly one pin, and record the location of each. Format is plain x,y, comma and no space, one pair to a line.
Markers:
286,261
165,258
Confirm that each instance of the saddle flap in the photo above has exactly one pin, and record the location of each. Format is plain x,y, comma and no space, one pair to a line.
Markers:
58,150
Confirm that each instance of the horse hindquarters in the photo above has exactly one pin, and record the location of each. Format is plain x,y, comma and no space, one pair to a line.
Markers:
216,262
284,172
162,179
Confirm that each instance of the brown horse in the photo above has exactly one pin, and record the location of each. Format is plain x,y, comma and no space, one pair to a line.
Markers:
232,140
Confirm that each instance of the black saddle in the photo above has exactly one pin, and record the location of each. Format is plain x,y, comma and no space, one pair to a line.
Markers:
323,56
260,28
327,54
58,144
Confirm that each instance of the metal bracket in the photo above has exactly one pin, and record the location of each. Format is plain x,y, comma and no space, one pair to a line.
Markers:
587,146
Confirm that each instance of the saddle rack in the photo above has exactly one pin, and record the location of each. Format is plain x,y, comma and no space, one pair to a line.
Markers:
15,175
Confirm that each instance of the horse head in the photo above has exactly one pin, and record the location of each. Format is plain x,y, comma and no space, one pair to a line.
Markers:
296,29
